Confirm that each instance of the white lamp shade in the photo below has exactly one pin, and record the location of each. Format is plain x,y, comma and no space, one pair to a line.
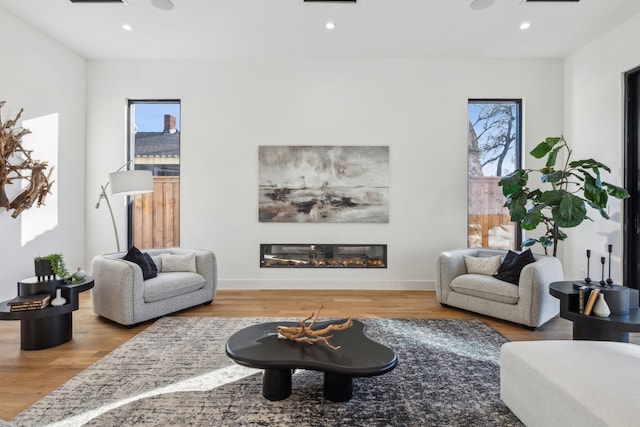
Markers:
131,182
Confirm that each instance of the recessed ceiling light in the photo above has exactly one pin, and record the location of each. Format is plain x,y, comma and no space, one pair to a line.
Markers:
330,25
480,4
127,27
525,26
162,4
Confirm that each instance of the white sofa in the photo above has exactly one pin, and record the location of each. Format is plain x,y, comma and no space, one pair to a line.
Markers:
528,303
571,383
120,293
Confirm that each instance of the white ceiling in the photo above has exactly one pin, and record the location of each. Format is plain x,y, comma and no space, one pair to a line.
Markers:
293,29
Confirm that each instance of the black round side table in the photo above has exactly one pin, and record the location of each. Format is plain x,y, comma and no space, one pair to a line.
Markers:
612,328
49,326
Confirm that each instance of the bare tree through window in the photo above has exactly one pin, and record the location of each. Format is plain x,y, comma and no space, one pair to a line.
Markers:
493,151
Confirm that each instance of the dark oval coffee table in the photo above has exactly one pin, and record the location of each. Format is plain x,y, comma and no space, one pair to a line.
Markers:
258,346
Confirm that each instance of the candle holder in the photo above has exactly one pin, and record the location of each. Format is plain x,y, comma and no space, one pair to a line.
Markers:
588,279
602,261
610,249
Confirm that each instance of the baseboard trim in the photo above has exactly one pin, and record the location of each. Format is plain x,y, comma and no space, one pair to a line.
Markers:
421,285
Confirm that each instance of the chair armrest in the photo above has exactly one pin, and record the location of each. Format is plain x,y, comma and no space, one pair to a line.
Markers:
449,265
207,267
117,284
534,282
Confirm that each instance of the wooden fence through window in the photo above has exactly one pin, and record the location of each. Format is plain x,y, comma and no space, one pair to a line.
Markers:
156,216
489,222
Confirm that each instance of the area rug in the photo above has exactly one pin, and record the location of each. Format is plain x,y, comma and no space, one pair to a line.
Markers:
176,373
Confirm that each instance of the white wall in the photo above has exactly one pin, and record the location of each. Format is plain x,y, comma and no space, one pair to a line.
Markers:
594,126
417,107
44,78
229,108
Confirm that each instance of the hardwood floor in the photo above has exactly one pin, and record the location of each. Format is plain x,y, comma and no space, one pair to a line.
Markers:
27,376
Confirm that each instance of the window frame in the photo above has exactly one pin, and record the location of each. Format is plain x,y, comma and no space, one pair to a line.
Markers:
518,232
130,150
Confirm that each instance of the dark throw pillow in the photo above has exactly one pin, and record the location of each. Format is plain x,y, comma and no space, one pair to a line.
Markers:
134,255
512,265
152,265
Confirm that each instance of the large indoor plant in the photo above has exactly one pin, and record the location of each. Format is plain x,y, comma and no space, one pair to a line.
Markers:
562,203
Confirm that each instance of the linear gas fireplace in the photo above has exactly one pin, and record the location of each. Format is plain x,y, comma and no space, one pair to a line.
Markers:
322,256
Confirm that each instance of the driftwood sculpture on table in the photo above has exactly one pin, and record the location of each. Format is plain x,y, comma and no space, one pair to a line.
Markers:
15,164
305,333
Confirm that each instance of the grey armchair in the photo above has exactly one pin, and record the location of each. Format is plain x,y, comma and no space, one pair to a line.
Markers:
528,303
120,293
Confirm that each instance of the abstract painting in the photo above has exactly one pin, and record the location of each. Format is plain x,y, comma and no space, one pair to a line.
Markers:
323,184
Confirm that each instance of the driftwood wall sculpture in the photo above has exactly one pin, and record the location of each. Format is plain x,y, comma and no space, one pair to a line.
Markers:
15,164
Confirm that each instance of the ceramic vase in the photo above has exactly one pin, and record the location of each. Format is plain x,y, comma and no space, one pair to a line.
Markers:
601,308
79,274
58,300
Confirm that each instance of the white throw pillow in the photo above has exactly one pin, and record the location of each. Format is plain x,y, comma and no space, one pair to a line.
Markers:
488,254
172,262
483,265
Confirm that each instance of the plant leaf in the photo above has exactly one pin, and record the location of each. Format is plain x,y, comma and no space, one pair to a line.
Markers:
546,240
553,177
615,191
535,195
541,150
553,155
513,182
516,203
552,197
532,218
570,211
589,164
594,192
603,213
602,210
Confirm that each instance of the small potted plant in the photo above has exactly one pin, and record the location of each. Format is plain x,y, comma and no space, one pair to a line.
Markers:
50,266
42,267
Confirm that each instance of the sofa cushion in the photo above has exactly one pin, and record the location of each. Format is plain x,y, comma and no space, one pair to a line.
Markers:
491,252
486,287
182,262
483,265
513,264
152,265
553,383
144,261
171,284
157,260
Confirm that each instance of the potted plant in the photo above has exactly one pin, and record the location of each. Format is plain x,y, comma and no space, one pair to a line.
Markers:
51,265
42,268
571,187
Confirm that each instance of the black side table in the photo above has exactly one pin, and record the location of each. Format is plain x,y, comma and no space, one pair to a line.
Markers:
50,326
612,328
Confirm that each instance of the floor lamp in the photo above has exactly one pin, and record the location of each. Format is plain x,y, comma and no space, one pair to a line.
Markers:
125,183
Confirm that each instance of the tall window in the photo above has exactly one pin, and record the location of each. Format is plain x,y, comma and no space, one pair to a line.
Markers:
494,141
154,144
